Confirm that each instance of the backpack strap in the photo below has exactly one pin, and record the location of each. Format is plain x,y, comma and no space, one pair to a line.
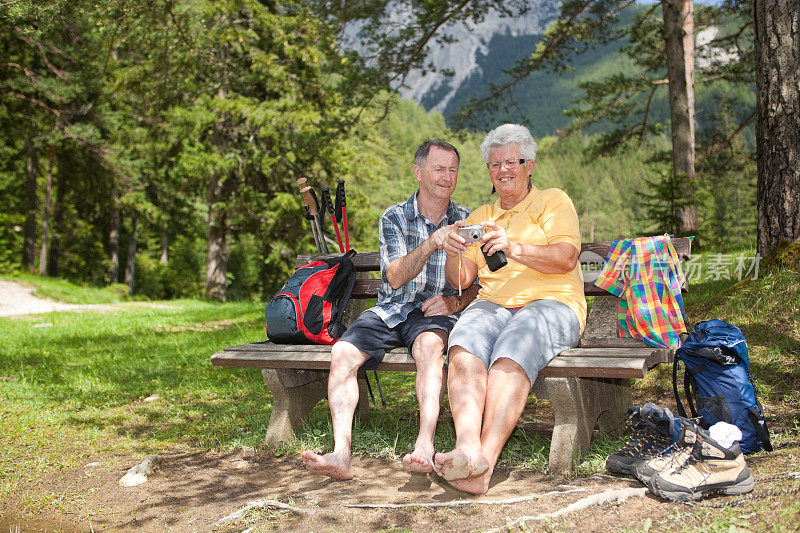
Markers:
681,410
761,428
690,386
336,319
757,417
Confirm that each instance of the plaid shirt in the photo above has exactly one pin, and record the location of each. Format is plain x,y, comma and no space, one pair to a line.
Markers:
402,229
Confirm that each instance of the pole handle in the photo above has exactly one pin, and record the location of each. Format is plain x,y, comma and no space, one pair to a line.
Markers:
326,200
341,201
308,200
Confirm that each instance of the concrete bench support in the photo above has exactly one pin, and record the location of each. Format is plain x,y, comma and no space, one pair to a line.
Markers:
579,404
295,393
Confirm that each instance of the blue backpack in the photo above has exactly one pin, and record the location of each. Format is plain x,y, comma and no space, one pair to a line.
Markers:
717,382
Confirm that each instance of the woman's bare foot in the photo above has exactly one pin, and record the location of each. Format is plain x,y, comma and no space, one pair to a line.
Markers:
332,465
420,460
457,465
473,485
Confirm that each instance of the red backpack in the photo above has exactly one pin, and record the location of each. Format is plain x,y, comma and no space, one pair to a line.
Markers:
309,308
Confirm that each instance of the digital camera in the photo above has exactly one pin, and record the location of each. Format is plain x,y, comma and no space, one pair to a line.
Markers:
471,233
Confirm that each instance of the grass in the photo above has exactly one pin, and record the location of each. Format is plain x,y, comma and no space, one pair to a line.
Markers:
64,291
78,387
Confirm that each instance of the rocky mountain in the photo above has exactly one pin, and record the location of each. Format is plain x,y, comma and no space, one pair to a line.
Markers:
462,57
476,54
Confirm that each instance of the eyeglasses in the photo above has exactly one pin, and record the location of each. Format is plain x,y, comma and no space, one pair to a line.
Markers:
510,164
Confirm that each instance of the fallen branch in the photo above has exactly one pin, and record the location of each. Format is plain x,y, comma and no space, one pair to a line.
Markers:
460,503
595,499
257,504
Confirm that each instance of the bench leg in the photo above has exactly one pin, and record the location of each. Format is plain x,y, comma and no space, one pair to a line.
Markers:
295,393
575,418
614,395
579,404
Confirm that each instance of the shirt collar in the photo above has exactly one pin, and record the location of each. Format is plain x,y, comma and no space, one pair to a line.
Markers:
411,210
523,205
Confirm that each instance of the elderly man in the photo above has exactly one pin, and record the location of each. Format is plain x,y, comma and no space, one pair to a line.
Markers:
526,313
415,308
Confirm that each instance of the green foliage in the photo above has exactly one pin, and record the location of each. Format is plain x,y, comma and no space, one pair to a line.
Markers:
663,199
10,242
144,109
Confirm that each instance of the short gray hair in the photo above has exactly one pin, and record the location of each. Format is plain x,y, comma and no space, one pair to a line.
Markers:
421,155
509,134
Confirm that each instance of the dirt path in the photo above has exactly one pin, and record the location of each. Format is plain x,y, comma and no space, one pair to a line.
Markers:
18,299
197,491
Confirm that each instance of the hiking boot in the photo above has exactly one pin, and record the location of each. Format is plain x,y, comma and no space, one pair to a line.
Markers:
710,469
650,436
672,457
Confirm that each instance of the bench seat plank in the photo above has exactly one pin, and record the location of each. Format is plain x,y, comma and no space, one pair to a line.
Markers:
577,362
368,288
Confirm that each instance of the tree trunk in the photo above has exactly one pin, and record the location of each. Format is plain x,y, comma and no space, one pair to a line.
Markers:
58,220
113,241
679,48
164,246
48,193
32,172
777,60
130,265
217,259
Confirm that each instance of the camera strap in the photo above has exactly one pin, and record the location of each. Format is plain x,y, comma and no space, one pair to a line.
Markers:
459,273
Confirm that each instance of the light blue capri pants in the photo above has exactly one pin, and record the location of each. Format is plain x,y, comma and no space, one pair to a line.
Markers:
530,336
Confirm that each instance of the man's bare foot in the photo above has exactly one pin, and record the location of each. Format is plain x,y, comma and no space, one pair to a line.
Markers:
332,465
459,465
474,485
420,461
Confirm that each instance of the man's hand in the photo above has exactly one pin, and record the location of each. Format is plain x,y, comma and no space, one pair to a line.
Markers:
440,305
440,235
454,243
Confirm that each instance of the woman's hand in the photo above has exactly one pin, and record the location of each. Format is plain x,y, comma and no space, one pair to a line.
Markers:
494,238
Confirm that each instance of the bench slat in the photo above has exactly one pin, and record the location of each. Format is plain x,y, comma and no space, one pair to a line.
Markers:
368,288
577,362
266,346
370,261
592,367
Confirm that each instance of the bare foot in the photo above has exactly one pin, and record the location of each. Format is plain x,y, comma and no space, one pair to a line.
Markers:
420,461
331,465
474,485
459,465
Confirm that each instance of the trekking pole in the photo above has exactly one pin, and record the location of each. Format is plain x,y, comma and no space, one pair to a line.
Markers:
313,210
328,204
310,211
341,211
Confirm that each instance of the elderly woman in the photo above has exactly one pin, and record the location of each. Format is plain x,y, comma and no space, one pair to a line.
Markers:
526,312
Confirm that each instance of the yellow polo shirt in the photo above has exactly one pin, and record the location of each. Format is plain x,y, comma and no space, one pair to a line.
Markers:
542,217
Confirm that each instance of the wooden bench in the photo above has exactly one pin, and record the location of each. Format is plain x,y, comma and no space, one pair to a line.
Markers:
587,386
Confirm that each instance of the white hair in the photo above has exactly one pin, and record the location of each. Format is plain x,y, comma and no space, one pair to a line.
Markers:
509,134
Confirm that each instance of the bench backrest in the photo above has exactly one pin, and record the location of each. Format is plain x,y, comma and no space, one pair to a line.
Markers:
591,259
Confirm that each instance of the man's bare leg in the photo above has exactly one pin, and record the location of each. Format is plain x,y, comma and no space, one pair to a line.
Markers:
343,399
467,387
507,392
428,350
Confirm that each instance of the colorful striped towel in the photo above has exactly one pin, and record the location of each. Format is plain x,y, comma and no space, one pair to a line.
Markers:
646,274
